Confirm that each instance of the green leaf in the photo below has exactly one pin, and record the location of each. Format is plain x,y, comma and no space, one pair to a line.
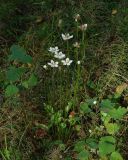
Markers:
31,82
91,84
106,145
105,117
14,74
84,108
92,143
106,105
11,90
19,54
79,146
118,113
83,155
112,128
116,156
25,84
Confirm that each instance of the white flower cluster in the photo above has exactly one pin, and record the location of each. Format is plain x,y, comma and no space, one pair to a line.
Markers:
53,49
58,55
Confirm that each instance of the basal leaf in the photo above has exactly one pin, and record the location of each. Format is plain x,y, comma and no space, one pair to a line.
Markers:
32,80
13,74
19,54
11,90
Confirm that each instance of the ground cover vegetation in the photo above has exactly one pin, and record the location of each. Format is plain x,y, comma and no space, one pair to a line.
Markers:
64,80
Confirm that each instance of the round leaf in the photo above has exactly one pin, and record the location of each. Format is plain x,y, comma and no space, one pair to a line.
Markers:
116,156
11,90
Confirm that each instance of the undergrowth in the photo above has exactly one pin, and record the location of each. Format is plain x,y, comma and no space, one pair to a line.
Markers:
63,80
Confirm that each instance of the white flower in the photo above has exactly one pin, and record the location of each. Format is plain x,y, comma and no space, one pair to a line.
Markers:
95,102
67,62
77,17
90,131
53,49
66,36
83,27
78,62
76,45
53,64
59,55
44,66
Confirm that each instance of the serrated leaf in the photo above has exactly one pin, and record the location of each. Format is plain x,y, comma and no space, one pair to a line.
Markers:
106,145
83,155
84,108
116,156
92,143
11,90
14,74
118,113
19,54
112,128
79,146
106,105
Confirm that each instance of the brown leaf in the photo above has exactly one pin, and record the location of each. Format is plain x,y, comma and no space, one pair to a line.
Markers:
40,133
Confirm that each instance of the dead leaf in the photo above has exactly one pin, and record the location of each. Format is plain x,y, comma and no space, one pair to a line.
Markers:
121,88
40,133
29,65
114,11
39,19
